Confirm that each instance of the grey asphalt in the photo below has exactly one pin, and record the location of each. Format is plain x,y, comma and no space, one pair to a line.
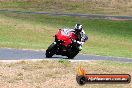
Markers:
17,54
92,16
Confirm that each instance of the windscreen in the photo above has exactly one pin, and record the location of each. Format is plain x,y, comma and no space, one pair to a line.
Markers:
65,32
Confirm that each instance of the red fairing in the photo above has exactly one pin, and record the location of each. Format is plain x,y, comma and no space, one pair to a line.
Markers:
65,36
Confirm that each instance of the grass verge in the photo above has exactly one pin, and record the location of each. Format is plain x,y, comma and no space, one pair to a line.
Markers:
61,73
110,7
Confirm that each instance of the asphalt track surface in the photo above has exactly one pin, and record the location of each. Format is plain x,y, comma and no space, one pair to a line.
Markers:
92,16
18,54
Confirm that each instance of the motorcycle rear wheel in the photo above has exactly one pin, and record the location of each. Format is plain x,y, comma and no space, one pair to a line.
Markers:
71,55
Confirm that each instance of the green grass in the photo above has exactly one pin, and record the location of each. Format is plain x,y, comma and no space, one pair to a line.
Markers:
106,37
109,7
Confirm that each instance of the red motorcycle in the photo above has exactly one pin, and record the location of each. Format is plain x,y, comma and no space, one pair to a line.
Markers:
64,44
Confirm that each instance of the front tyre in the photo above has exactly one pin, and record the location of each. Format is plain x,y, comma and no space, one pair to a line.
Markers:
51,50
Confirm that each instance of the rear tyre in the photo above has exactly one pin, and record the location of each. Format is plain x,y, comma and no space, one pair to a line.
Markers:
51,50
71,55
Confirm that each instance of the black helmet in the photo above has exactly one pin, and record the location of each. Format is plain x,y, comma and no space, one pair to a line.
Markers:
78,28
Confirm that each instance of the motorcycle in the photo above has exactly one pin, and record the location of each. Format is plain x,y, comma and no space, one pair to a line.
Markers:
64,44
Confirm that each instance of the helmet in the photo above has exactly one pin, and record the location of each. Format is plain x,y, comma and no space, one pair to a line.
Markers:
78,28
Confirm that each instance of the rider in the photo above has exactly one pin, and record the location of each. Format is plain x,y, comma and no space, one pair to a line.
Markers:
81,36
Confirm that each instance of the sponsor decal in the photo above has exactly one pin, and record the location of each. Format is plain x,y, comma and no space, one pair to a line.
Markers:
83,78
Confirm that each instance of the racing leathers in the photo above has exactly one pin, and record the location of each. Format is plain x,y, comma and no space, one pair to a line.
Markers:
81,37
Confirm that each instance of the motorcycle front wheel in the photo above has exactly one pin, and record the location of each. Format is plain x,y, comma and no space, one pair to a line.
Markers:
51,50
